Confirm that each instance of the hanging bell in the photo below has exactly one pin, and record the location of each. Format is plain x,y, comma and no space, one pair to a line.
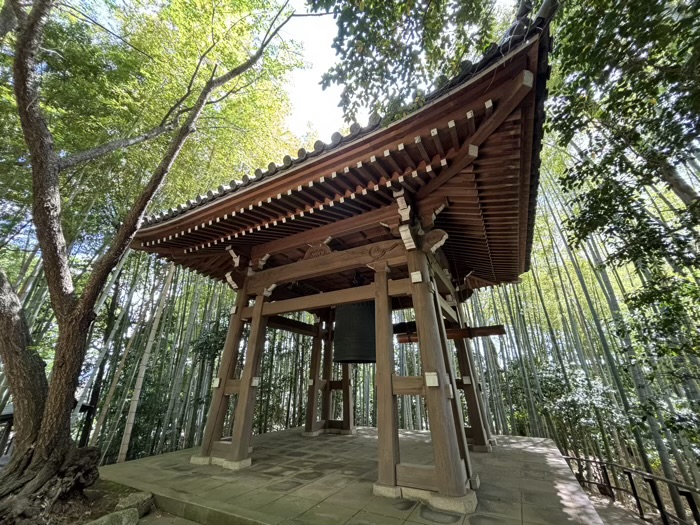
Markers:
354,335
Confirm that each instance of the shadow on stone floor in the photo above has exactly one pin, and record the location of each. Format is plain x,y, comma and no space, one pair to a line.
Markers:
328,480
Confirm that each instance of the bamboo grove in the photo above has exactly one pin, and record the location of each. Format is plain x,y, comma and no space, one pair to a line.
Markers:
602,344
568,367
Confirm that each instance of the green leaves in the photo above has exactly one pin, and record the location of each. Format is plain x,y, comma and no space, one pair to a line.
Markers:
386,49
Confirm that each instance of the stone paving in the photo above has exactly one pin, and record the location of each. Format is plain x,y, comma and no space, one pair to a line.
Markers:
328,480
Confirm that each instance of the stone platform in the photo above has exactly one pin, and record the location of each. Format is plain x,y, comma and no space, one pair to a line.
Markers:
328,480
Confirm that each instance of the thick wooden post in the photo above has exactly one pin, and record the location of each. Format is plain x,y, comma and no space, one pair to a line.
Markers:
469,384
387,412
348,402
450,469
314,378
243,421
455,402
229,357
327,374
479,430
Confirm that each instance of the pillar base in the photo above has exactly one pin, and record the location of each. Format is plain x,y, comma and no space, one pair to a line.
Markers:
236,465
481,448
313,434
387,491
200,460
475,482
340,431
458,504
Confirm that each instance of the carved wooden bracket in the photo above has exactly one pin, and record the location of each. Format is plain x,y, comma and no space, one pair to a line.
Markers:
433,240
317,250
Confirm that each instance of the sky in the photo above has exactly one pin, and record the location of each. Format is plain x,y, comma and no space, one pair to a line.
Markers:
314,109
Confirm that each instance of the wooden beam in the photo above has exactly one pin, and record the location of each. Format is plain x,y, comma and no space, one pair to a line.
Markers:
406,332
408,385
355,224
447,310
232,386
398,287
466,154
291,325
485,331
391,252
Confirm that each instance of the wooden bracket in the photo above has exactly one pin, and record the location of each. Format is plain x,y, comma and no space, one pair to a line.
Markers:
404,206
433,240
263,260
407,237
231,282
430,210
236,257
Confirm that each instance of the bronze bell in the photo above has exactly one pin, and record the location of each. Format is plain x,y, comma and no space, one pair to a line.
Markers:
354,337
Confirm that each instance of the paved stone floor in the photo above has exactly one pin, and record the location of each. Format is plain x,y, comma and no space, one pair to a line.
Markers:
328,480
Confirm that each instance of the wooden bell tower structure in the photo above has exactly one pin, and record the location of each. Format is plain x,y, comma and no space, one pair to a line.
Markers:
422,211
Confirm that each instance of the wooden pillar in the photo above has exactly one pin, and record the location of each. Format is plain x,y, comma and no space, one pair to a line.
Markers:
348,402
229,357
327,373
479,428
455,402
314,379
469,384
243,421
450,469
387,412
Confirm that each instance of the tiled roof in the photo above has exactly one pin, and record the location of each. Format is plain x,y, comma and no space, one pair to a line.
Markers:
519,32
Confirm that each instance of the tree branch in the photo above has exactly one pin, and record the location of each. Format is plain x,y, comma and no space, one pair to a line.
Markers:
132,221
88,18
115,145
45,162
188,91
8,20
245,66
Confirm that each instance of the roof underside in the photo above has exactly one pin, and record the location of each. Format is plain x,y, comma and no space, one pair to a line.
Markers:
484,198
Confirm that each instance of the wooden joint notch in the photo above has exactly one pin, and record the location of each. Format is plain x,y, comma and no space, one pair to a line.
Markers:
232,386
